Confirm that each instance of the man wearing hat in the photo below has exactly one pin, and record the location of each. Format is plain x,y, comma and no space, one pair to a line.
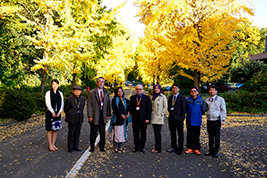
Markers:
74,117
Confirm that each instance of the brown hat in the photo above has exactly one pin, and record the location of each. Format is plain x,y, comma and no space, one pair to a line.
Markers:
77,88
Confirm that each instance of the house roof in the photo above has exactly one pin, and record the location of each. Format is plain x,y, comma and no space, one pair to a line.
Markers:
261,56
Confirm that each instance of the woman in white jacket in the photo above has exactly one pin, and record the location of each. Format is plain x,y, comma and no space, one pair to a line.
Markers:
159,108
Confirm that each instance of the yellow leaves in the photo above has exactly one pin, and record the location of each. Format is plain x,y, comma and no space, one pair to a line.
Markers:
118,60
37,67
195,34
8,10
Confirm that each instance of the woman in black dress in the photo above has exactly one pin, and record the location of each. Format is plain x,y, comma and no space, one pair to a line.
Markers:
120,106
55,103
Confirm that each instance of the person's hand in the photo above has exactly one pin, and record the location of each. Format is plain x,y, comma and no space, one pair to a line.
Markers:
108,117
127,116
90,119
146,121
123,116
54,115
223,122
58,114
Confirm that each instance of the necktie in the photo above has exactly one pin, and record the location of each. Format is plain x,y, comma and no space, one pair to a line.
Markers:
212,99
101,96
101,100
174,98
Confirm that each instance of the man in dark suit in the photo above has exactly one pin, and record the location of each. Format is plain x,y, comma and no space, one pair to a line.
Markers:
99,112
141,113
177,110
74,117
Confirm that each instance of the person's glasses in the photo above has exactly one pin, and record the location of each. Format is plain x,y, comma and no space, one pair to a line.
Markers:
193,91
138,88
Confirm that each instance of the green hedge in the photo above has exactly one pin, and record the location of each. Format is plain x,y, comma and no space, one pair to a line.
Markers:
17,104
245,101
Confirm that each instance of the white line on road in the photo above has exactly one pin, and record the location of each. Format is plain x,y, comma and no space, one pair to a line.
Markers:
78,165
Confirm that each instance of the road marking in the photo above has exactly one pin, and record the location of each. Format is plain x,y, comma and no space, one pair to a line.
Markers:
78,165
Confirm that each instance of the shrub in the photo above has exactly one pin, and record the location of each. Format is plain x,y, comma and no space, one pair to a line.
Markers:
18,104
257,83
247,70
40,102
223,88
185,91
245,101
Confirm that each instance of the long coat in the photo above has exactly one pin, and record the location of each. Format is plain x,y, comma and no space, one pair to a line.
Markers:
159,108
93,106
71,109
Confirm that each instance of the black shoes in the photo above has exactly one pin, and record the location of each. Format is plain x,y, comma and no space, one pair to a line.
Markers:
77,149
135,150
179,152
171,150
102,150
215,155
142,150
208,153
92,150
70,150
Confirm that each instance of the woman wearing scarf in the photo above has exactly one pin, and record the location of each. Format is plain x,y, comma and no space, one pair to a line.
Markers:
120,119
159,108
54,103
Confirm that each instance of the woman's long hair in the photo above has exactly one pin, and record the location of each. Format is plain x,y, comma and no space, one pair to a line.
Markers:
116,91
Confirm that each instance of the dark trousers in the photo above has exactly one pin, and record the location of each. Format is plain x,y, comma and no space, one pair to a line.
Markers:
157,133
94,129
139,126
193,133
179,126
74,135
214,135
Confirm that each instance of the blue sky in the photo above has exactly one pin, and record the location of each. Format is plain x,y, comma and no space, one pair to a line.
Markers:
129,11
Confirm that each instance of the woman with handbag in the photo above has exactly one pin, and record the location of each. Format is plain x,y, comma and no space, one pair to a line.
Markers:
120,119
54,102
159,108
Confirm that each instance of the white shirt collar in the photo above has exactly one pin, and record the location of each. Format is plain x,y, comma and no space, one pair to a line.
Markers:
176,95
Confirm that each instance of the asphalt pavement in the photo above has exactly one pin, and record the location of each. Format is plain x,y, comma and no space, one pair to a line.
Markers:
242,155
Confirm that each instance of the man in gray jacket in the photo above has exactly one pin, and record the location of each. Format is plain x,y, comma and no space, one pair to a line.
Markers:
99,111
216,115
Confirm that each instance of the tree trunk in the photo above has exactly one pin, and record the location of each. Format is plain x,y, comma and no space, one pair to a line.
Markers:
197,80
158,79
73,83
43,75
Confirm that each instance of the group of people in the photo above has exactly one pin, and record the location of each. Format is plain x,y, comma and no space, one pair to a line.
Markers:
140,110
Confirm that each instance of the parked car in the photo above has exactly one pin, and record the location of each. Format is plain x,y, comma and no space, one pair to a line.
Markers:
128,83
235,85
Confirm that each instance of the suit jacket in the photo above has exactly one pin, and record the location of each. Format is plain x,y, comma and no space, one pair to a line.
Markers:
71,109
145,107
93,105
179,108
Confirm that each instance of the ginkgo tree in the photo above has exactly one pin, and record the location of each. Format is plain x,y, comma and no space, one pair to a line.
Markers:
119,60
151,58
66,34
250,40
197,33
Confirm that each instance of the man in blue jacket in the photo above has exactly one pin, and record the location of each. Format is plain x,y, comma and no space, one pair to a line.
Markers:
195,108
